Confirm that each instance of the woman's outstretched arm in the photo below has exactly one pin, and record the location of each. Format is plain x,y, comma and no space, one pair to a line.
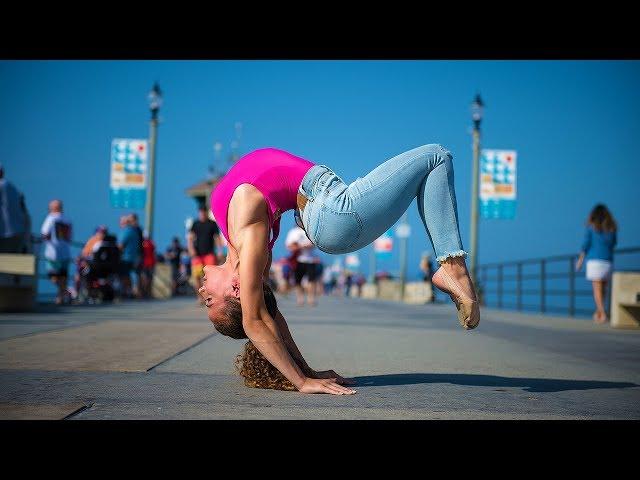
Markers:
292,348
294,351
261,329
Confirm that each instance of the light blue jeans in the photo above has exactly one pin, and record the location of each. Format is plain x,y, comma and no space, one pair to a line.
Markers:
340,218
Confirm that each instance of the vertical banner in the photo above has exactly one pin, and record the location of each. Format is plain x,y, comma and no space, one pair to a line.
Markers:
498,184
383,245
128,183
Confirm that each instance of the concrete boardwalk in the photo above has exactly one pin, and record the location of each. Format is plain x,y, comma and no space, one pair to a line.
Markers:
163,360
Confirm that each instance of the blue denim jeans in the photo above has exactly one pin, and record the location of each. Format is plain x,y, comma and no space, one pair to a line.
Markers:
340,218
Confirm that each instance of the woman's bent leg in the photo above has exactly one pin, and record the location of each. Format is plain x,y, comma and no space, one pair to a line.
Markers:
341,219
383,195
354,216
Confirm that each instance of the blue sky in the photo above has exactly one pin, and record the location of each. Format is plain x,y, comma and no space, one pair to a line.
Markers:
574,124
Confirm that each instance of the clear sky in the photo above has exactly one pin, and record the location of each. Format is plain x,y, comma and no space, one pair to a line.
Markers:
574,124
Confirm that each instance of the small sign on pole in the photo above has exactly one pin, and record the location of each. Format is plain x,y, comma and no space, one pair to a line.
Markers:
403,230
128,180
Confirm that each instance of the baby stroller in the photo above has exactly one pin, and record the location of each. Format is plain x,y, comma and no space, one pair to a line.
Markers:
101,271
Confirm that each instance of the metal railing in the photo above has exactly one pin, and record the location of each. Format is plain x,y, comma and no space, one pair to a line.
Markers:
545,272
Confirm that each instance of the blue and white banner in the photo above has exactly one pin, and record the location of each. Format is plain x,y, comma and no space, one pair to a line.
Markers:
498,184
128,173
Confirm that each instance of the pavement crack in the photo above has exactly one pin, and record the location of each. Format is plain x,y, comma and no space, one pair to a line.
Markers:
78,411
182,351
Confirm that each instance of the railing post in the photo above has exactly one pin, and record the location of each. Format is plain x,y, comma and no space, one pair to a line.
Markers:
608,289
519,285
542,285
35,247
500,286
572,287
484,285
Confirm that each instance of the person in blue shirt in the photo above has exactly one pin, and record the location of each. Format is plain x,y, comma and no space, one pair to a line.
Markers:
129,242
600,238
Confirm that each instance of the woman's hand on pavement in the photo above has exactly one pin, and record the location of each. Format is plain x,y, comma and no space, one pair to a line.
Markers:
324,385
332,374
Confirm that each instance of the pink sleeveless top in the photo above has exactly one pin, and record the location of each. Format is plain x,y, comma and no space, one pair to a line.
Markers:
275,173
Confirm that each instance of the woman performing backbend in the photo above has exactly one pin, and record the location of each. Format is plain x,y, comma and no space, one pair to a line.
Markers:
338,218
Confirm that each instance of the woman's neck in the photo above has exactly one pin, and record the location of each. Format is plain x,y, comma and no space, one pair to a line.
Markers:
233,259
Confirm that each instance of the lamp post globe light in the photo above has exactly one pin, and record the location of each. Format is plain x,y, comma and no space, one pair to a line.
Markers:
477,107
155,102
476,111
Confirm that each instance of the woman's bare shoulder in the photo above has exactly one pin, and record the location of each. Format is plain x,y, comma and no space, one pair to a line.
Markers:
247,193
247,206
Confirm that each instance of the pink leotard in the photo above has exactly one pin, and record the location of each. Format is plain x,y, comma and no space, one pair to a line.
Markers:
275,173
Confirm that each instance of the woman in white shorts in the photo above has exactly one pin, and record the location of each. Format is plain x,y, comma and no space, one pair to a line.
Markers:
600,238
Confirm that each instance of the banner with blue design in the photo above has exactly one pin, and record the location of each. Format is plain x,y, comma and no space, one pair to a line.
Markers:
128,184
498,184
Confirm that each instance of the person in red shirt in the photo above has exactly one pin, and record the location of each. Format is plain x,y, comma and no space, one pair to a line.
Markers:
148,265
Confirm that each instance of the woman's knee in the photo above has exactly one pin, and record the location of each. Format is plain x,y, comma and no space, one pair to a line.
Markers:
436,151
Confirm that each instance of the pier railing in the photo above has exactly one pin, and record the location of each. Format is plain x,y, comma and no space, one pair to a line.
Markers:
547,284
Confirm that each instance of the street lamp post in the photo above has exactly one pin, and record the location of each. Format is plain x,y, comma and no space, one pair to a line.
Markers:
476,115
235,144
155,101
214,168
372,264
403,254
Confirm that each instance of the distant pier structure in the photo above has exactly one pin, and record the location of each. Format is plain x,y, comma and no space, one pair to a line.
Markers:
201,191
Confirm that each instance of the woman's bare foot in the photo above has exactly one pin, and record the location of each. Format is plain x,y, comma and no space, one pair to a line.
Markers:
600,317
453,278
457,269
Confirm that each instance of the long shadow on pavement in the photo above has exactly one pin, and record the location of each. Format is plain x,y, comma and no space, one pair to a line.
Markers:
529,384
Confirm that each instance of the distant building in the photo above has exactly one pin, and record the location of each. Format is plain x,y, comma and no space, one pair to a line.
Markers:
201,192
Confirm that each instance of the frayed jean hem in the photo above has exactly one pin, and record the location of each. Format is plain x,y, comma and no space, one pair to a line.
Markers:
457,253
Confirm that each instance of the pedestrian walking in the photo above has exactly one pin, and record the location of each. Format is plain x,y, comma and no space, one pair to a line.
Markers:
600,238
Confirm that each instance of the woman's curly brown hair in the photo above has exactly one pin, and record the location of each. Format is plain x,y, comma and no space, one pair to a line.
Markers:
258,372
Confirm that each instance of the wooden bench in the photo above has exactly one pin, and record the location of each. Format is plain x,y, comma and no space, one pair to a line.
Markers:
18,282
625,300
